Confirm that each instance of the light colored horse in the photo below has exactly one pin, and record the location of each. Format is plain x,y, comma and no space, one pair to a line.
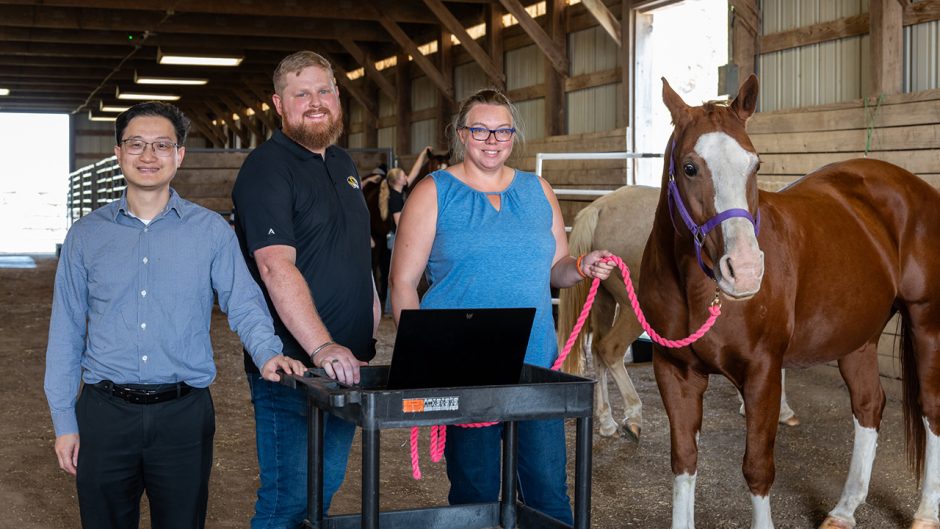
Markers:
620,222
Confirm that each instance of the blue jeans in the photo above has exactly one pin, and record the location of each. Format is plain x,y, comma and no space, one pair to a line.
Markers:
281,435
473,466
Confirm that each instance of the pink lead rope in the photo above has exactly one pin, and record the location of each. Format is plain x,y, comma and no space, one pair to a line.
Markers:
439,432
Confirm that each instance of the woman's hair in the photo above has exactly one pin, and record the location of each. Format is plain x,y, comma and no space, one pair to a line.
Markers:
395,174
486,96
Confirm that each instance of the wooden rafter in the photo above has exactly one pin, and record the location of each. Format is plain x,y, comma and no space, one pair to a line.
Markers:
411,48
238,108
256,105
605,18
369,66
555,53
469,44
222,114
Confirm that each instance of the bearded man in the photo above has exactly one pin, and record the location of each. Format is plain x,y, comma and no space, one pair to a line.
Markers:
303,226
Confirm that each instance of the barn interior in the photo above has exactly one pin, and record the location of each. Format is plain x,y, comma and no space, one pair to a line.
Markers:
840,79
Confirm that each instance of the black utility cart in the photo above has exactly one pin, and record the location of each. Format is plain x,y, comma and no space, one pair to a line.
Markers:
540,394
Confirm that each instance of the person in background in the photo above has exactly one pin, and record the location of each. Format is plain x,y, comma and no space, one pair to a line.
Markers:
391,200
303,226
488,235
130,318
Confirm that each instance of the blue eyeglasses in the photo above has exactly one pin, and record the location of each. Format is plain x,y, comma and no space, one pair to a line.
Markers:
483,133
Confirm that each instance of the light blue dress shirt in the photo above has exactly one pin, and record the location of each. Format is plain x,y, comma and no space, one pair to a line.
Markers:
133,302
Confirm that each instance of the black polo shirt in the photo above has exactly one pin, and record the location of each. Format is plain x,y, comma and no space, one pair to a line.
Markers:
285,194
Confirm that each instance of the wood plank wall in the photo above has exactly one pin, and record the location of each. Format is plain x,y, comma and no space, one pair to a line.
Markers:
904,129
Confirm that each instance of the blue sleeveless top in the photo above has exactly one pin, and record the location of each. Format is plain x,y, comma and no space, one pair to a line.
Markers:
483,258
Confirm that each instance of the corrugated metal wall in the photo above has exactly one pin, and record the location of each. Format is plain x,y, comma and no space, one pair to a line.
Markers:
357,140
423,94
423,134
922,47
468,78
601,107
386,137
526,67
816,74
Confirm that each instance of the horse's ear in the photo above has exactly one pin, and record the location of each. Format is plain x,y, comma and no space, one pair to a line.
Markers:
675,104
746,102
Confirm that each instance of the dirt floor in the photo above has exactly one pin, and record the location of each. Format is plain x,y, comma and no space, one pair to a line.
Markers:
632,483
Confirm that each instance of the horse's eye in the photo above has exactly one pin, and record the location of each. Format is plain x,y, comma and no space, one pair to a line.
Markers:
690,169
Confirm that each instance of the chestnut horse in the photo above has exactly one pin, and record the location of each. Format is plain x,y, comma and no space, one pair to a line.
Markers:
810,274
620,222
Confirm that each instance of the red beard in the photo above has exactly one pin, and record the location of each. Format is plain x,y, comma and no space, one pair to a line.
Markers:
316,137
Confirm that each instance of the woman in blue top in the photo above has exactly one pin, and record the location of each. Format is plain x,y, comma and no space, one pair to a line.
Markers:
488,235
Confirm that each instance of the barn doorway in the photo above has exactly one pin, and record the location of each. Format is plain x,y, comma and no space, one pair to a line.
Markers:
34,166
685,42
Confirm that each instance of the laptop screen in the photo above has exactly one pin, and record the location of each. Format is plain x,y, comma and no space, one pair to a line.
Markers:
439,348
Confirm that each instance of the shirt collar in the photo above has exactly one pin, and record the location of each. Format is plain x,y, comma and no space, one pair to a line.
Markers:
175,204
297,149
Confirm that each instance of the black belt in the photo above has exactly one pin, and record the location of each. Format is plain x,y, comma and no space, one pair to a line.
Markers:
143,394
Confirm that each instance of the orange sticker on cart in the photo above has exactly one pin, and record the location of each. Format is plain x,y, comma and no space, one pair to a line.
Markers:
430,404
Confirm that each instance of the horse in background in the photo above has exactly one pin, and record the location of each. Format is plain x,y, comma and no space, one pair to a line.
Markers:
621,222
381,224
810,274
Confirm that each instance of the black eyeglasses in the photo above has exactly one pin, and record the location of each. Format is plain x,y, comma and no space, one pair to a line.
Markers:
160,147
483,133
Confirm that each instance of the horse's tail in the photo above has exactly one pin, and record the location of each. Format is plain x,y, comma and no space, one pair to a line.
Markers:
383,199
913,408
571,300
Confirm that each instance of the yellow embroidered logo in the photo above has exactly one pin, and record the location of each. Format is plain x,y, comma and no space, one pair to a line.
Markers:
351,180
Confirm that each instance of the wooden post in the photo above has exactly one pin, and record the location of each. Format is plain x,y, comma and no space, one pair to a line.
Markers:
494,38
445,106
555,111
887,41
370,126
403,106
626,60
744,36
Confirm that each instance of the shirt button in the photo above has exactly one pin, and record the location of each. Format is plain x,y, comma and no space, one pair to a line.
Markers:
146,230
144,358
143,326
145,260
143,293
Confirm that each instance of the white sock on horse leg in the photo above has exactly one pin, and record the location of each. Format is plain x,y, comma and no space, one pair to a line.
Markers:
856,484
930,487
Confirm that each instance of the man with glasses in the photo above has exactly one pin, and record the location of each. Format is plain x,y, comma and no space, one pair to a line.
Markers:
130,318
304,229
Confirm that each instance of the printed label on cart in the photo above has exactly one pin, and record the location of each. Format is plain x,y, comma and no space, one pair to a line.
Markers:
430,404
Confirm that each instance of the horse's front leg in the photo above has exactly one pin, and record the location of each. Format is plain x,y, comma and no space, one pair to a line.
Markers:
681,389
860,372
761,390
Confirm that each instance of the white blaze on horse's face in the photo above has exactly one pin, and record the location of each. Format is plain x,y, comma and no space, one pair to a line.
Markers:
741,268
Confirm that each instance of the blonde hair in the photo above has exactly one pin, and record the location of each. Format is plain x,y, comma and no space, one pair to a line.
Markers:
486,96
296,63
383,199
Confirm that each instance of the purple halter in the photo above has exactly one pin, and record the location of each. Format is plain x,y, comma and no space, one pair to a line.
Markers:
699,231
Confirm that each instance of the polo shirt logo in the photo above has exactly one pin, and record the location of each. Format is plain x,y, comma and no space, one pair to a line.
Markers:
351,180
270,231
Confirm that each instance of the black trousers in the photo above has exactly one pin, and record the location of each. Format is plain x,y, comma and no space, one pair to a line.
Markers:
126,449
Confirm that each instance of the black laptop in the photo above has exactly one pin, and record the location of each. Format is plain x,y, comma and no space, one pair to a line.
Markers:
440,348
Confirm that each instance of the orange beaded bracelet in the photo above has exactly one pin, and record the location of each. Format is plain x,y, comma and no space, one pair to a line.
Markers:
578,267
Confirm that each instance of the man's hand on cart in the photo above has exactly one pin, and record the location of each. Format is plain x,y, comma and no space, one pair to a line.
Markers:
339,363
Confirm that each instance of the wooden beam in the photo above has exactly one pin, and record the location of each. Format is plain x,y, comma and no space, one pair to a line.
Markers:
744,36
403,106
445,107
822,32
212,133
252,123
222,114
925,11
627,51
423,62
368,65
604,17
887,47
555,112
254,104
493,17
478,54
553,51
